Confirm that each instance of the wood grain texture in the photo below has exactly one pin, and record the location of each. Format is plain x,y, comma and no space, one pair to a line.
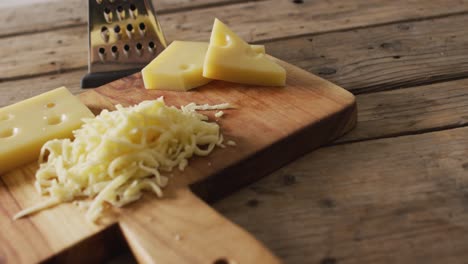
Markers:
396,200
31,239
268,116
72,13
66,49
401,112
402,199
382,114
271,127
411,111
188,232
327,15
383,57
18,90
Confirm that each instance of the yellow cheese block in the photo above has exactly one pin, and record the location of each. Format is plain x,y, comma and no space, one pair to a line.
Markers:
230,58
180,66
27,125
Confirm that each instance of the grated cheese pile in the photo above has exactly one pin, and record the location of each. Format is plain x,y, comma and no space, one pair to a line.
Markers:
118,154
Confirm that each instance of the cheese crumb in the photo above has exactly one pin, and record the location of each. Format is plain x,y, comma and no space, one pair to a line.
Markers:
119,154
231,143
192,107
219,114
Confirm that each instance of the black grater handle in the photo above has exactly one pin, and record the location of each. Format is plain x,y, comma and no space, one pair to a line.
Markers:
96,79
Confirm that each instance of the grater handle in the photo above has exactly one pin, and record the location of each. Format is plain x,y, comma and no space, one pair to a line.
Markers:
96,79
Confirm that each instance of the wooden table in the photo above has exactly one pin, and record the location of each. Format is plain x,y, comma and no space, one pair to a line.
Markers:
394,190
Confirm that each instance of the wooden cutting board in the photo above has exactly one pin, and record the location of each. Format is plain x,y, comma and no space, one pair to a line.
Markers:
271,126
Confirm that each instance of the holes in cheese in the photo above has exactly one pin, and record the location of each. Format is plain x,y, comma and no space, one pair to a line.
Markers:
8,132
184,67
50,105
229,58
117,155
221,41
180,66
6,117
27,125
55,119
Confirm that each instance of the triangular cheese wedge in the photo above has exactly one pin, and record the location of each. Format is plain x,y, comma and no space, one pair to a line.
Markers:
179,67
230,58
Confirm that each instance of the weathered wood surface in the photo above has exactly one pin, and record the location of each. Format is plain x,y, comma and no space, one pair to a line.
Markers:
340,57
363,60
384,57
382,114
411,111
195,17
150,226
396,200
364,46
72,13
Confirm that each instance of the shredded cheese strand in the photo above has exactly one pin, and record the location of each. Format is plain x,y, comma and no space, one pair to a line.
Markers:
38,207
119,154
192,107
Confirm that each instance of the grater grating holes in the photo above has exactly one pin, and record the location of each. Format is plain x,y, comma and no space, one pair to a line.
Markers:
108,15
151,47
139,48
102,54
115,52
130,31
124,35
142,29
105,33
133,11
120,13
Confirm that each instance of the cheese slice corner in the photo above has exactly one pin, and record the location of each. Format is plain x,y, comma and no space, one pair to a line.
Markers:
27,125
230,58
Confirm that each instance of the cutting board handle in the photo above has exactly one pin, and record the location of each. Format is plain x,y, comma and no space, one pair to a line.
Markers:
184,229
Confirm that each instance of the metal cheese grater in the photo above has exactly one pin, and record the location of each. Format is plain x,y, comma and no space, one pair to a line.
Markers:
124,36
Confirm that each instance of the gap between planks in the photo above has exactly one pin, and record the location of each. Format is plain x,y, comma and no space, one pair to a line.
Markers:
343,52
414,110
363,61
81,20
323,57
386,42
349,14
394,200
410,20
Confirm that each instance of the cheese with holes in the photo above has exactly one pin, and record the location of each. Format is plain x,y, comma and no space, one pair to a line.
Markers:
118,155
230,58
180,66
27,125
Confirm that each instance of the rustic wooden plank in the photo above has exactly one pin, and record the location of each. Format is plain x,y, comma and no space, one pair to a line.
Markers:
74,13
382,114
260,131
400,112
384,57
15,91
326,15
59,51
409,111
256,21
387,56
397,200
